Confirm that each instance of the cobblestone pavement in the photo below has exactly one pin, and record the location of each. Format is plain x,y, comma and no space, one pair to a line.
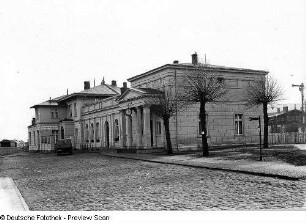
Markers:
92,182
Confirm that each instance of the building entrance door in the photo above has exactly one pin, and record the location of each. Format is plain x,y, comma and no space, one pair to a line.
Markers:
107,134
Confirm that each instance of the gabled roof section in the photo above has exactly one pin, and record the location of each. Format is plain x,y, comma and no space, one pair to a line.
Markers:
190,66
134,93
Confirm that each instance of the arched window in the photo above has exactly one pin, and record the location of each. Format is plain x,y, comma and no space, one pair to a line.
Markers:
86,133
97,132
92,132
116,130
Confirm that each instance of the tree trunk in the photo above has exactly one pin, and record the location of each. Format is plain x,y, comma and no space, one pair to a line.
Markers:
266,125
203,128
167,131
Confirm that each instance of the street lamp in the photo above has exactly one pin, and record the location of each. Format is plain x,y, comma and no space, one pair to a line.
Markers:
253,119
301,89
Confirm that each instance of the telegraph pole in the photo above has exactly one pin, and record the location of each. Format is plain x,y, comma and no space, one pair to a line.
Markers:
301,89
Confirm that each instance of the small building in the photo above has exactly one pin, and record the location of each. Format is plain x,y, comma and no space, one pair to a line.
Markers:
8,143
286,121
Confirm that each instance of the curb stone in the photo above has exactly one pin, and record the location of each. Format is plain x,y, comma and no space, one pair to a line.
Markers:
13,200
194,165
24,204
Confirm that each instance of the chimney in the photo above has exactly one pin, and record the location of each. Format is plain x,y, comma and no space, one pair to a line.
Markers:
86,85
103,81
124,88
194,58
114,83
175,62
285,109
278,110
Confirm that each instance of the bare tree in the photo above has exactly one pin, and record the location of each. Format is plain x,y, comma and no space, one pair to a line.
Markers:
165,105
203,86
264,92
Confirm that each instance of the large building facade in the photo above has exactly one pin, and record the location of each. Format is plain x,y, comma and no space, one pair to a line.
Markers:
109,117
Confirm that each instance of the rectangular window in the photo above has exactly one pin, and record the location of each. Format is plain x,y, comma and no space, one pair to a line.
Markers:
56,113
233,83
75,109
30,138
238,122
55,135
87,133
76,134
158,128
52,114
200,125
69,111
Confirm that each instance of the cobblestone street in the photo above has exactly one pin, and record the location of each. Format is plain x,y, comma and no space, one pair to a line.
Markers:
93,182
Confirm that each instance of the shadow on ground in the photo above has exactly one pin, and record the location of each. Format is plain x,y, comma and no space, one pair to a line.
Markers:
288,154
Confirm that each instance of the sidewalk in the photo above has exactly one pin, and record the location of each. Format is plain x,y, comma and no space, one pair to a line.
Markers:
264,168
10,197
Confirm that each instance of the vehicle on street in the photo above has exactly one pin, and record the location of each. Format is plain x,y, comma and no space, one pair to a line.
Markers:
63,146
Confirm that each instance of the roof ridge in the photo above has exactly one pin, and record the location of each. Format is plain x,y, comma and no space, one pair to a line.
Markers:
109,86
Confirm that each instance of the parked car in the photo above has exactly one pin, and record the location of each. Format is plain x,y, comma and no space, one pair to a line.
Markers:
63,146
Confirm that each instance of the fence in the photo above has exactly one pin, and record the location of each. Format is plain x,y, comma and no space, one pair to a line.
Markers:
287,138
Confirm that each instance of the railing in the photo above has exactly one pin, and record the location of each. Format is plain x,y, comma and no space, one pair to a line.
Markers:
287,138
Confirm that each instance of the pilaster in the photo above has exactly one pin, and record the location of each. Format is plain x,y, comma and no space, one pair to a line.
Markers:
146,127
139,128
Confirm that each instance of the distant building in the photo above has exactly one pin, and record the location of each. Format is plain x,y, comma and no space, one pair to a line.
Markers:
286,121
107,116
8,143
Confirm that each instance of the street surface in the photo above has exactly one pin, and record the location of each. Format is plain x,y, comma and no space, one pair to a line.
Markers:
93,182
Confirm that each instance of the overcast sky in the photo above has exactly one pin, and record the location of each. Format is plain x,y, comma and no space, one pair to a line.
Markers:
49,46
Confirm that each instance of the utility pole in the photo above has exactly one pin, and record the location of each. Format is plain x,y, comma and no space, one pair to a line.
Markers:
301,89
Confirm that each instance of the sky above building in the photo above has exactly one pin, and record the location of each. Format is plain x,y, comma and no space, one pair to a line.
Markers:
47,47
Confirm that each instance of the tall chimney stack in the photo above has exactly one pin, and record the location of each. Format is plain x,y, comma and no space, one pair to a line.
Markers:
124,88
194,58
86,85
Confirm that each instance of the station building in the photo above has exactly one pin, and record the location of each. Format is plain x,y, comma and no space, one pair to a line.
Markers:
120,118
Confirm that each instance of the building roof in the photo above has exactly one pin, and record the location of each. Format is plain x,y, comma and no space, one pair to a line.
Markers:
100,90
191,66
97,91
50,102
275,114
